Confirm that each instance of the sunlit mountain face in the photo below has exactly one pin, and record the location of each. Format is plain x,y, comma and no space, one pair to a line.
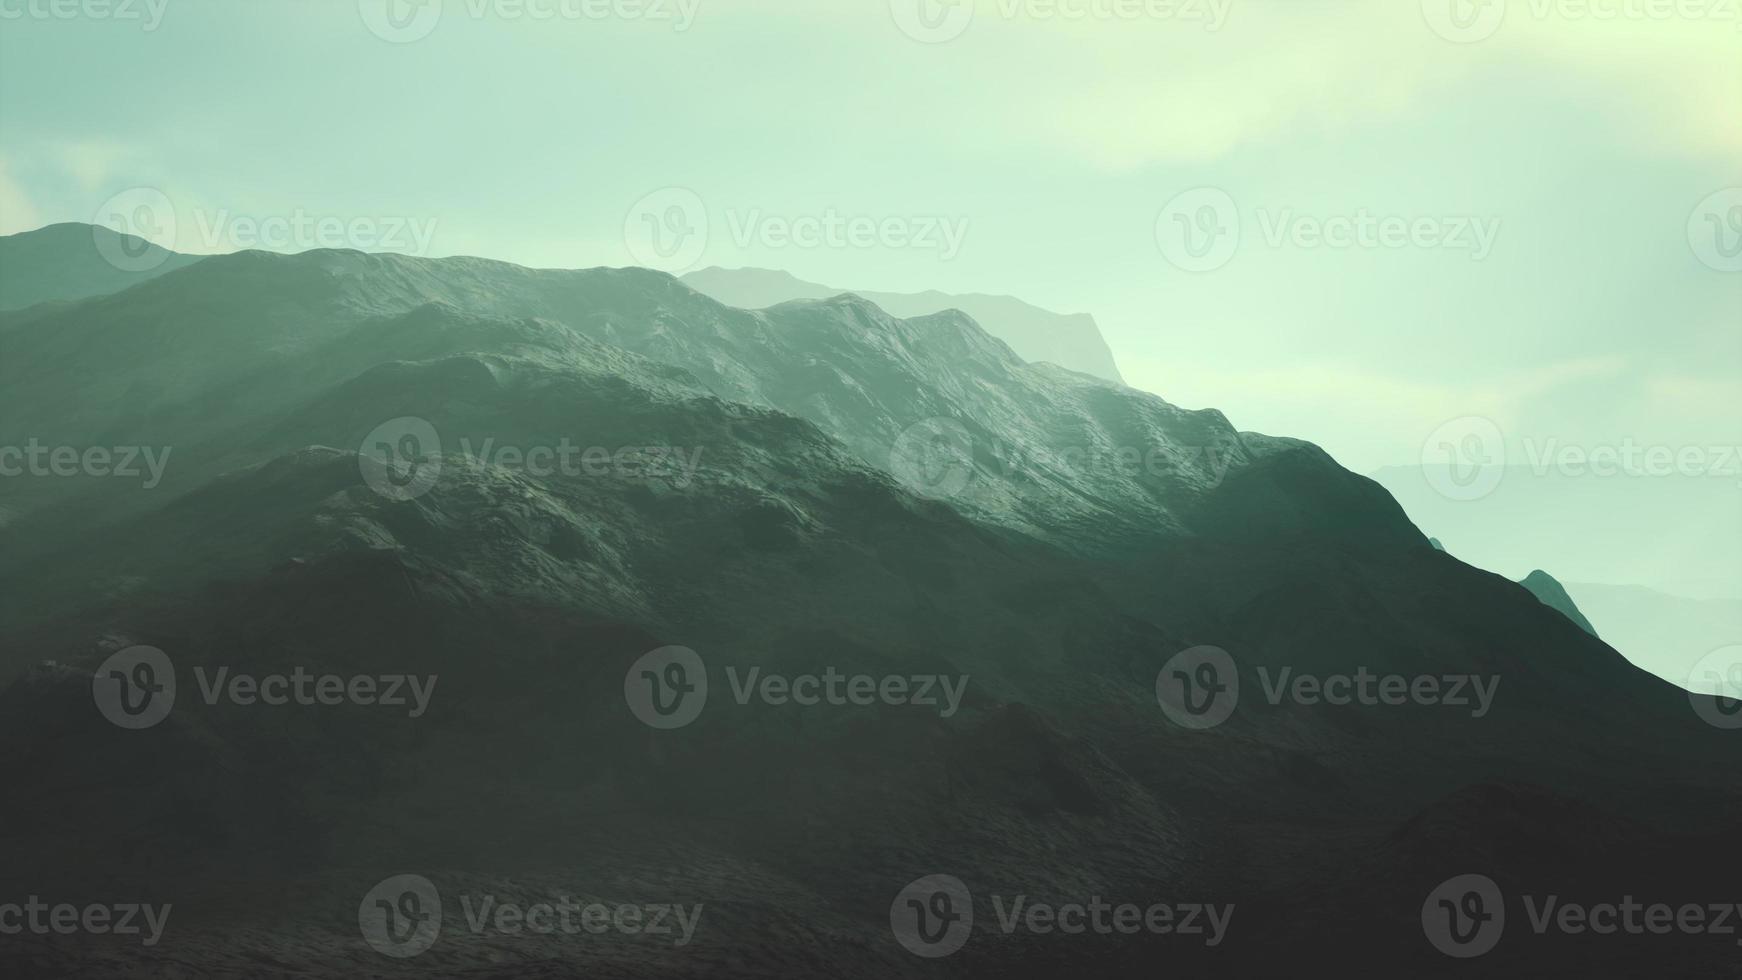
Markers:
717,490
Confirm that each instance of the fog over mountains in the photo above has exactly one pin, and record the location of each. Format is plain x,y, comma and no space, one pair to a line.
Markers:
1068,340
525,487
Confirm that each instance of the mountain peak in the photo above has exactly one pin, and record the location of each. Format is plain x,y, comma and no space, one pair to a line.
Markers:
1554,595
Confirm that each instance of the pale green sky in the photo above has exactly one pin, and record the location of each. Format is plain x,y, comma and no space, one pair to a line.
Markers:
1585,146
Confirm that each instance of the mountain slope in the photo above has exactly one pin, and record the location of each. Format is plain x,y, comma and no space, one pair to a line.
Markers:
75,261
1553,595
1082,463
297,529
1071,341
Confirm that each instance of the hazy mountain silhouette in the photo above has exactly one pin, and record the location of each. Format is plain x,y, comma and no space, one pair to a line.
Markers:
1553,595
74,261
1657,531
1070,340
1662,633
800,540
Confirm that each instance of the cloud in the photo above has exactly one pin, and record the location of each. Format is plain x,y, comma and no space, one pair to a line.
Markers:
16,212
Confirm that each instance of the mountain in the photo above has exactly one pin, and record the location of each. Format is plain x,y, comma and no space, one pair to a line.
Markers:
1652,530
1071,340
75,261
523,488
935,399
1543,585
1665,634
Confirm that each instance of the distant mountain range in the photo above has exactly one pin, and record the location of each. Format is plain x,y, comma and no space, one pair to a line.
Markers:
365,477
1070,340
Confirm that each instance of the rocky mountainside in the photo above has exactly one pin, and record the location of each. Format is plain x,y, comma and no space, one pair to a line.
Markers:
522,489
1070,340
